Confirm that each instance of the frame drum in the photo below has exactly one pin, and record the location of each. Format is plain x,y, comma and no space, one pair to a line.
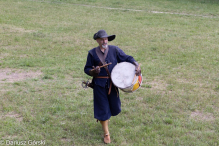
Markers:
123,76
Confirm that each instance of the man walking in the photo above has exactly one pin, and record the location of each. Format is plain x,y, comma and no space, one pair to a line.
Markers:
106,95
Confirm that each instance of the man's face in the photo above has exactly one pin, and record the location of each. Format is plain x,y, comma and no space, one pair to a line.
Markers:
102,42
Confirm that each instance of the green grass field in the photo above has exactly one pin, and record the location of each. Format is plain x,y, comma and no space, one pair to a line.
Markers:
43,50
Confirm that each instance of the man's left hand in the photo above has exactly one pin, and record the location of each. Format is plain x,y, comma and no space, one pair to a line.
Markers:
137,69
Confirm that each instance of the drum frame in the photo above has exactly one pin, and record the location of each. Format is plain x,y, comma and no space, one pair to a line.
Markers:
130,89
137,80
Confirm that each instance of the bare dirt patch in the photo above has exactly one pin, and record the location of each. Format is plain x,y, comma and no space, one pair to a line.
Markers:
15,75
65,140
3,55
13,28
9,137
200,116
139,98
13,115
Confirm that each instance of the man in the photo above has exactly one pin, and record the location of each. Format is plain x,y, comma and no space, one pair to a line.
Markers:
106,95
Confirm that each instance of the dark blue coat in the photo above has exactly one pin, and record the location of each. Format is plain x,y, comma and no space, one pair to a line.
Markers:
115,55
106,105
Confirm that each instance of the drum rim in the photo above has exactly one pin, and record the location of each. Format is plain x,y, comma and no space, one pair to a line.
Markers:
139,84
132,86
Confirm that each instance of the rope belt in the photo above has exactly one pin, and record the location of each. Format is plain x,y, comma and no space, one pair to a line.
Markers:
106,77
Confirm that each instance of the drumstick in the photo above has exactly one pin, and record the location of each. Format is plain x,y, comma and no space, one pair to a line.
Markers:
103,66
135,74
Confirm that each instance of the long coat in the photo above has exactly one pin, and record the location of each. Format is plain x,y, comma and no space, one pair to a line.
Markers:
105,105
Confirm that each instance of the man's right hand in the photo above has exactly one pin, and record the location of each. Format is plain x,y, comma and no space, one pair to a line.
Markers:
95,71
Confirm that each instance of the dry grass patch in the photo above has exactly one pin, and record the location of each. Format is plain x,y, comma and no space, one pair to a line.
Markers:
158,84
3,55
9,137
139,98
186,81
201,87
12,29
65,139
200,116
18,117
10,47
14,75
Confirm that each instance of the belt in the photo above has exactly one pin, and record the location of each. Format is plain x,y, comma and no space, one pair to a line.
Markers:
103,77
106,77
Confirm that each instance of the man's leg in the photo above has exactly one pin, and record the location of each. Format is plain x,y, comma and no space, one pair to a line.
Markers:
106,130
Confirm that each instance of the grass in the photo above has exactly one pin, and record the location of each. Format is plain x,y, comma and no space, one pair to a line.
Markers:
177,104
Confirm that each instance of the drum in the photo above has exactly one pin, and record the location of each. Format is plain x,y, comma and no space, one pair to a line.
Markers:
123,76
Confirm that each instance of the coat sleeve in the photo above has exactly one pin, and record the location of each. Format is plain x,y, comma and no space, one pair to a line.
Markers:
89,64
122,57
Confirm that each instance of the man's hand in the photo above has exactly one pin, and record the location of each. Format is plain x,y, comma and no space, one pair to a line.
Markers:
95,71
137,69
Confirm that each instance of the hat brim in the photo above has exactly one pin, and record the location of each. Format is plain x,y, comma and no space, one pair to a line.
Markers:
111,37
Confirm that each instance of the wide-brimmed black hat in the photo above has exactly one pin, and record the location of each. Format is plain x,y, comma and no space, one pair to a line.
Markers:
103,34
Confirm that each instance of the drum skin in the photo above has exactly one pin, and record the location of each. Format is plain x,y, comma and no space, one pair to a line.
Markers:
123,76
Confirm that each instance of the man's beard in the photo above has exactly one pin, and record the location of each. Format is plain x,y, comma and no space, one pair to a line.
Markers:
104,46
